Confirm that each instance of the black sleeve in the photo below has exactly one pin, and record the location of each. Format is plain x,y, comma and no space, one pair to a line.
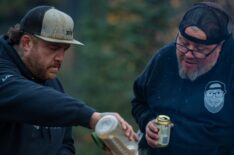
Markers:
140,108
68,143
25,101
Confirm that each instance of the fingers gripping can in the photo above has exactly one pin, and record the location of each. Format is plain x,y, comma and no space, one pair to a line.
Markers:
164,124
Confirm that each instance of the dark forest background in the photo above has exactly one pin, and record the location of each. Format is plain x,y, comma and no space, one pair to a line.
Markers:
120,36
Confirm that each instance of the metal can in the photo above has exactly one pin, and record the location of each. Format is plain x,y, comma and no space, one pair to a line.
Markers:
164,125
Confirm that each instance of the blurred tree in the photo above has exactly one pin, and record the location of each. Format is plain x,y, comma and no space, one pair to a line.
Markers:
13,10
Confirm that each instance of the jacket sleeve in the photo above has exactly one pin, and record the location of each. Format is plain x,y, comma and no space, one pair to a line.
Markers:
140,108
25,101
67,147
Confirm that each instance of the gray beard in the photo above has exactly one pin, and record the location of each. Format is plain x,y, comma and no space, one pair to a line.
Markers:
193,75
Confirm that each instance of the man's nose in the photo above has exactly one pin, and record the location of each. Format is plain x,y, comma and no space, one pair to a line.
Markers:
60,55
189,53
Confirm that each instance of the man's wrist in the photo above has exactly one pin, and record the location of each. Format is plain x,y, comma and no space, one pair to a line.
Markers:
94,119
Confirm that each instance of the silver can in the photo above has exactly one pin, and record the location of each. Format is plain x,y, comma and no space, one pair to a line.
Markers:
164,125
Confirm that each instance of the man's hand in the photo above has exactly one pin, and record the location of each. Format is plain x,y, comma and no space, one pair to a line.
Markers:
151,134
125,126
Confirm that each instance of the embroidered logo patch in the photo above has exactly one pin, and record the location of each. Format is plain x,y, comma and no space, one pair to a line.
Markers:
6,77
214,96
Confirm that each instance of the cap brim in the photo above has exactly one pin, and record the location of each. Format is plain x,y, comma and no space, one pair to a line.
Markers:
59,40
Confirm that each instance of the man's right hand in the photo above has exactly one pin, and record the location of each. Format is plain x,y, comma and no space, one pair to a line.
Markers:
129,132
151,134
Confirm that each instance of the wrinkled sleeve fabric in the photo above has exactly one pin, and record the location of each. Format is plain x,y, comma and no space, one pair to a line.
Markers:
25,101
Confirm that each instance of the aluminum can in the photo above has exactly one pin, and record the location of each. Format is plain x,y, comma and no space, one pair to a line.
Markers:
164,125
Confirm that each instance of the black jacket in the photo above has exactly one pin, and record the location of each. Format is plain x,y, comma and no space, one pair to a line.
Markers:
199,129
35,116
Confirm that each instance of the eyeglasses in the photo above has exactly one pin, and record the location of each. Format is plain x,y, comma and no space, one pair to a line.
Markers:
197,53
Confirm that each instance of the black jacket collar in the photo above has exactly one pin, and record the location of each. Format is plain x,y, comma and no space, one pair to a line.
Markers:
11,54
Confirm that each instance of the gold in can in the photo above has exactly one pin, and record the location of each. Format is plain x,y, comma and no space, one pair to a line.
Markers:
164,125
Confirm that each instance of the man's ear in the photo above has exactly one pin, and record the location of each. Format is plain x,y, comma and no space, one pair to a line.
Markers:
26,42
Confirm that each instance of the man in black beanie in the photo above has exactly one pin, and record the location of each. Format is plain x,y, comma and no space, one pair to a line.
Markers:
191,81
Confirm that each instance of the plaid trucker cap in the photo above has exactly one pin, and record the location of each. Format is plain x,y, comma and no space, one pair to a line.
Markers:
210,18
49,24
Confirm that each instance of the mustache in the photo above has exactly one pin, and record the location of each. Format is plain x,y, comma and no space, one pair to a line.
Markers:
56,64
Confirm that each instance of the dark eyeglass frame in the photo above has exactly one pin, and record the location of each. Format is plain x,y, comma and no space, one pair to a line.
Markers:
195,50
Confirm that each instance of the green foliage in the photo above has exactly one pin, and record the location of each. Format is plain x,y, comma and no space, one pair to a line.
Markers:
13,10
118,43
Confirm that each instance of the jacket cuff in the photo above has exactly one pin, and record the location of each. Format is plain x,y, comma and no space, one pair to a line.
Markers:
85,122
